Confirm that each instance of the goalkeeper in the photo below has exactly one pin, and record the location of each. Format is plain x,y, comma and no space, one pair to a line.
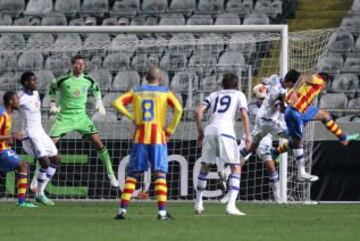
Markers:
71,113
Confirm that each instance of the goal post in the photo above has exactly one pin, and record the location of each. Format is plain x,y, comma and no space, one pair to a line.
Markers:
192,58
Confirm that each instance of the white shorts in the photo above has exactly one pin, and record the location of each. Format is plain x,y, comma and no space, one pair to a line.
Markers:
39,145
264,127
220,148
263,149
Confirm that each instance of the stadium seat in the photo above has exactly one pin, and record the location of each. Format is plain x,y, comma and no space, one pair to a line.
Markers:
125,8
44,77
352,65
70,43
333,101
239,7
12,42
354,103
276,8
263,7
96,44
95,62
342,40
209,46
110,21
331,63
54,19
172,19
227,19
154,6
230,60
198,19
102,77
351,23
125,43
8,61
210,6
126,80
95,7
40,41
68,7
30,61
110,117
355,6
348,83
209,83
141,61
173,61
116,61
256,18
27,21
180,81
38,7
5,19
77,22
7,80
246,44
184,6
59,65
109,98
12,7
176,39
201,65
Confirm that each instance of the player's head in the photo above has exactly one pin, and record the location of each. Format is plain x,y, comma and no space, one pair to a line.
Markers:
78,64
28,81
259,91
11,99
153,75
291,77
230,81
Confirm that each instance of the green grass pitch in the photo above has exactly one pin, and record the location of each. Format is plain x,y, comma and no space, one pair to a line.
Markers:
75,221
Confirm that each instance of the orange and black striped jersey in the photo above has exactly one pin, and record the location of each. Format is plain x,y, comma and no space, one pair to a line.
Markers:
305,95
150,103
5,128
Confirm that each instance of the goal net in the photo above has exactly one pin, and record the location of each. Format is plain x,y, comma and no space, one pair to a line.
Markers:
193,61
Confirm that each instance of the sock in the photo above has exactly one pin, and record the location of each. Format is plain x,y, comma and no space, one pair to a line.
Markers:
105,159
334,128
22,186
299,156
129,188
275,184
42,181
282,148
161,193
234,188
201,186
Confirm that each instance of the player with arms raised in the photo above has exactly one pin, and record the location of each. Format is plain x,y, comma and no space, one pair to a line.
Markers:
36,142
219,139
71,114
150,103
9,160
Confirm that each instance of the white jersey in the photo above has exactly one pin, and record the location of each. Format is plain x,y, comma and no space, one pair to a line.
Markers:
30,111
253,109
223,106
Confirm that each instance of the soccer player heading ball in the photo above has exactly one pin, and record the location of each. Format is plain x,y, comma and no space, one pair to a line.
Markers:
9,160
150,103
71,114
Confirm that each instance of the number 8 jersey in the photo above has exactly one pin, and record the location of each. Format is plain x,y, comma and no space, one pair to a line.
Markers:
150,104
223,106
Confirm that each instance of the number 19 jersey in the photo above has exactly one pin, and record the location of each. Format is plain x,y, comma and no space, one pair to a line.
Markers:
223,106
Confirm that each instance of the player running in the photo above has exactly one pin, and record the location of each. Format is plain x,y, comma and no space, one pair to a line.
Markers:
9,160
219,139
150,103
303,90
36,142
71,114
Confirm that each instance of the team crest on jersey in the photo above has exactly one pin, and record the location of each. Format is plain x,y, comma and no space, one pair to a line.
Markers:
77,93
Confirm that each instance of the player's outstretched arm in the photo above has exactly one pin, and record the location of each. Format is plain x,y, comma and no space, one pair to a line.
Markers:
121,102
178,110
246,124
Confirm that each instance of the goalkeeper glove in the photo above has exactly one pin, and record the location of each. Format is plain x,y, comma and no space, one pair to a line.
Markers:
53,108
100,107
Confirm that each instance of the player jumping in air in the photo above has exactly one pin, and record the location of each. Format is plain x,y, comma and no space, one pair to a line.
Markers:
302,90
150,103
219,139
71,114
9,160
36,142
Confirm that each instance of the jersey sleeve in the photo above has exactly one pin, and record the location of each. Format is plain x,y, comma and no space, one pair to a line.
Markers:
122,101
174,103
52,90
242,102
95,89
2,121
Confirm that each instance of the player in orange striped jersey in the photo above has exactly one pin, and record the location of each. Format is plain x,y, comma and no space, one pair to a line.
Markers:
150,103
9,160
300,110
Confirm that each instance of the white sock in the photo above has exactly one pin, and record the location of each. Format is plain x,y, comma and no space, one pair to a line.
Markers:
42,180
51,171
122,210
201,186
299,156
162,212
234,188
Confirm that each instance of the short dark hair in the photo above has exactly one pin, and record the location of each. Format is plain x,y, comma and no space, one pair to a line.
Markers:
75,57
292,76
8,96
26,76
230,81
325,76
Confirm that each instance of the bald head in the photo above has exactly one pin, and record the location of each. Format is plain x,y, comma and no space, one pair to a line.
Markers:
153,75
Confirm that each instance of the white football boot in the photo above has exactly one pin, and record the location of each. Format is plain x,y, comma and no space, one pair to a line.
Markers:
233,211
306,177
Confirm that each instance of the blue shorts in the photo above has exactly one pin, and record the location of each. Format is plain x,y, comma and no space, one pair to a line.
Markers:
9,160
142,154
295,121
